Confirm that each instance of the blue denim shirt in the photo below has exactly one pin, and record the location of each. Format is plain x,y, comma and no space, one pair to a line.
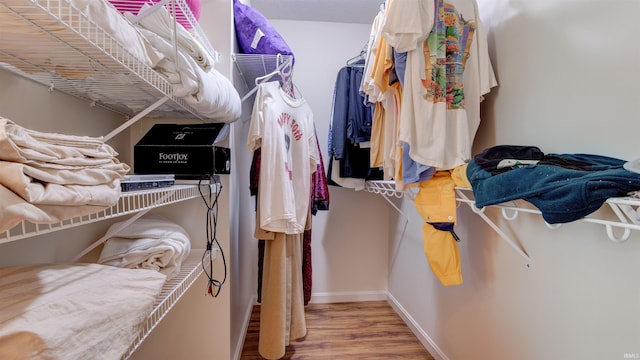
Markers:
351,118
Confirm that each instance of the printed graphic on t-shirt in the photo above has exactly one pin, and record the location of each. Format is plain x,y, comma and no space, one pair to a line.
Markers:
290,130
446,51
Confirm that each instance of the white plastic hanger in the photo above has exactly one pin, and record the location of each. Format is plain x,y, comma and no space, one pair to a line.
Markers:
284,67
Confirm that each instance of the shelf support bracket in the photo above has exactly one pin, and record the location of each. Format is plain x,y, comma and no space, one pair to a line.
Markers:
134,119
496,228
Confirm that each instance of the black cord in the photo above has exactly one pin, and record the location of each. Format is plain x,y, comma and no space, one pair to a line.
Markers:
214,286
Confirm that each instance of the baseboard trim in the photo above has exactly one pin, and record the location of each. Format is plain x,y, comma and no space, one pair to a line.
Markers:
422,336
336,297
245,327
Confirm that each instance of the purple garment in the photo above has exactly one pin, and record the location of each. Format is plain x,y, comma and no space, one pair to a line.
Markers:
320,188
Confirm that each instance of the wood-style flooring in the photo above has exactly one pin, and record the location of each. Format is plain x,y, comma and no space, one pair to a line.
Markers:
357,330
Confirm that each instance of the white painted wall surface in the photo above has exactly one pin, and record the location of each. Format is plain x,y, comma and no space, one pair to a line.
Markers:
569,82
349,255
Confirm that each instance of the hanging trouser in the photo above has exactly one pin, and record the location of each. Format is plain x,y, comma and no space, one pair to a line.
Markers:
282,310
436,203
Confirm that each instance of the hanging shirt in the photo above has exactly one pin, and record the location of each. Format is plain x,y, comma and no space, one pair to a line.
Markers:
284,130
448,71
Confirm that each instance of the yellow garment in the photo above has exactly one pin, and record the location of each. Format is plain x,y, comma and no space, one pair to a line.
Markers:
459,175
376,152
436,203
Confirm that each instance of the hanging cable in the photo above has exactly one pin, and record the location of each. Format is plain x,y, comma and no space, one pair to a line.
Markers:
213,245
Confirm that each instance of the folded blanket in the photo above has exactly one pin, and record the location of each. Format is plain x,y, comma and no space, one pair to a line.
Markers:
216,99
180,73
19,145
210,93
151,242
24,181
161,23
77,311
15,209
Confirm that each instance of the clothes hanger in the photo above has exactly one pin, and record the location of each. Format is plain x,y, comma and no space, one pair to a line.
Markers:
283,66
358,59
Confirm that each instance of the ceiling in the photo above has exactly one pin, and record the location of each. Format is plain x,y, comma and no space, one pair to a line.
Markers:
343,11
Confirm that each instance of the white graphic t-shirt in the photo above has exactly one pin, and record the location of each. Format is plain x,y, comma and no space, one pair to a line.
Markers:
447,73
283,128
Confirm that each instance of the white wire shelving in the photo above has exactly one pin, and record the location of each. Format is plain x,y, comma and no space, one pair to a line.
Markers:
129,203
54,43
171,292
253,66
624,216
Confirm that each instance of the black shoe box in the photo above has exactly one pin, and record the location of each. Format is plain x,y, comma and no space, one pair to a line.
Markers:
187,151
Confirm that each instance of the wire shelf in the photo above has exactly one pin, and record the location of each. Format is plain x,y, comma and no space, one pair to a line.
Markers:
129,202
54,43
252,66
171,292
626,213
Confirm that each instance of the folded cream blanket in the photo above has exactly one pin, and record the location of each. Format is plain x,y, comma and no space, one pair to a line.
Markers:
28,146
51,188
76,311
15,209
150,242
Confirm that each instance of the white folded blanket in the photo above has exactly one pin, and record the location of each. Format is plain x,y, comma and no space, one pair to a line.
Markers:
15,209
161,23
77,311
216,99
210,93
183,78
28,146
151,242
37,187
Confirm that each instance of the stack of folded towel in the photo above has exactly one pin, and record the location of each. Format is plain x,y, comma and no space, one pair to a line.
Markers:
46,178
150,242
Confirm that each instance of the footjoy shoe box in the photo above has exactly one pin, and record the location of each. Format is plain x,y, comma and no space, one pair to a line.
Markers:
188,151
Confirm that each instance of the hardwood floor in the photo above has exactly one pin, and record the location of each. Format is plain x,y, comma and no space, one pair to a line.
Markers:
358,330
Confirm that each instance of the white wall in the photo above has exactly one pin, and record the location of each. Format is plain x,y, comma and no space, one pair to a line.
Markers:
348,253
569,82
198,327
349,256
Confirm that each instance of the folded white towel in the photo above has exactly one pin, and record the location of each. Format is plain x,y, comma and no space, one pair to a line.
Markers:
151,242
